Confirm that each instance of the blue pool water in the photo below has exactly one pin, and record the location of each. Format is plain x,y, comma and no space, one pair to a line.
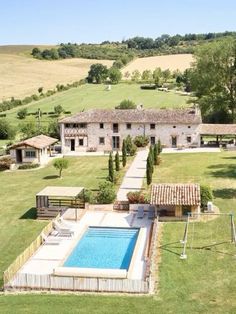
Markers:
110,248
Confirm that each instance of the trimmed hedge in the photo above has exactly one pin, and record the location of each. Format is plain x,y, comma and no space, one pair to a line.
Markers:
28,166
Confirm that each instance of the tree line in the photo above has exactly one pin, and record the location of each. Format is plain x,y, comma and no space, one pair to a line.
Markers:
130,48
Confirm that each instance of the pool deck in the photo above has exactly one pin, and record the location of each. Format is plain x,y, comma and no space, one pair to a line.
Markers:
50,256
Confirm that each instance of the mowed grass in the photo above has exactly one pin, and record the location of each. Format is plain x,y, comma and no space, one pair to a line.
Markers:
18,226
96,96
204,283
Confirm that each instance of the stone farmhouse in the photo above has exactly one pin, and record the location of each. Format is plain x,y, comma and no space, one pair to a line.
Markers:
105,129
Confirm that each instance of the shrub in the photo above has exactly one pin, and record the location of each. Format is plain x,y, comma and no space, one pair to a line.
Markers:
7,131
133,150
58,110
206,195
22,113
126,104
5,163
89,197
159,147
28,166
137,198
148,87
106,193
141,141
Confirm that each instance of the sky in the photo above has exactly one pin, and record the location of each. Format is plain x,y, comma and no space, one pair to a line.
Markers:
56,21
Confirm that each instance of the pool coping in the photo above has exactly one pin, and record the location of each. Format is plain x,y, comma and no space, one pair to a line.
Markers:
61,270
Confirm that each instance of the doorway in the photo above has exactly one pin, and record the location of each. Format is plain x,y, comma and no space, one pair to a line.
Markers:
174,141
115,142
18,156
72,145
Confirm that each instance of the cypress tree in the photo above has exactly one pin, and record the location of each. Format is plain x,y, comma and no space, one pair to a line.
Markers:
117,161
110,169
149,170
124,153
159,147
155,155
150,156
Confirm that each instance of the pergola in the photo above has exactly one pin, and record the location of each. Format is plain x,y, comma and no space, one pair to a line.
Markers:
218,130
59,197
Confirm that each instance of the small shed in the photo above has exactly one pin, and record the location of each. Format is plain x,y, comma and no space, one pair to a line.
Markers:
176,200
36,149
53,200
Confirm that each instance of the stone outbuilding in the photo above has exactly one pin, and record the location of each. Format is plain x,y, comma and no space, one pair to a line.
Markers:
176,200
36,149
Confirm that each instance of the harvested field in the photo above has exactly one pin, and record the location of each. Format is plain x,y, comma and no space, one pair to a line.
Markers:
172,62
21,76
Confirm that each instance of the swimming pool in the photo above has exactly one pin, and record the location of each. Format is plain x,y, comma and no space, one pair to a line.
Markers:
105,248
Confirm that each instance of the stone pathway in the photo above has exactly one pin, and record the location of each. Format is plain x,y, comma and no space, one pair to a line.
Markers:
133,179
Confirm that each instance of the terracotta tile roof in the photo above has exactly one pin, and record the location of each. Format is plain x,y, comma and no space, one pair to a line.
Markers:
40,141
217,129
175,194
182,116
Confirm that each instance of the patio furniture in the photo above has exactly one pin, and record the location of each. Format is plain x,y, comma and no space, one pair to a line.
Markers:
151,212
62,231
140,213
65,224
53,240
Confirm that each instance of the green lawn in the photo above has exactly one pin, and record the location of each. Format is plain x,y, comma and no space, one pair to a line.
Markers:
204,283
18,227
95,96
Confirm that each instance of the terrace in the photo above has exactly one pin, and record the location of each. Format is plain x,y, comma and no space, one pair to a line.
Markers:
47,263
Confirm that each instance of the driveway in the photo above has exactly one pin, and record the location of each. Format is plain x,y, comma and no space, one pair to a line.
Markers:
133,179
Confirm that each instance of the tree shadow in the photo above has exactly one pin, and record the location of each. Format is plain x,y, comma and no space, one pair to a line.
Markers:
234,158
51,177
225,193
170,247
225,171
30,214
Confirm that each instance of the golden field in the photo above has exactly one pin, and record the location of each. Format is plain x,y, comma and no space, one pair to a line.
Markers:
21,76
173,62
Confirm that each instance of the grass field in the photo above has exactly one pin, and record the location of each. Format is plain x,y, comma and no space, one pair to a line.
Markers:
204,283
96,96
21,76
173,62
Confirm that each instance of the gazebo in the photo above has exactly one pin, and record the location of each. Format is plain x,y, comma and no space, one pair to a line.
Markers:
53,200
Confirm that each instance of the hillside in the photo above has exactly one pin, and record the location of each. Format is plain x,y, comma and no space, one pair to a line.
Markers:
173,62
22,76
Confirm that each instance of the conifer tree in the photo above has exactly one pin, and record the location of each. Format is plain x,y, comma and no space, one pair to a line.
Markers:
159,147
124,153
155,155
111,169
149,170
117,161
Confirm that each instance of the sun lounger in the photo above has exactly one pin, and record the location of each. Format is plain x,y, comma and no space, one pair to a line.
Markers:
62,231
151,212
140,213
50,240
65,224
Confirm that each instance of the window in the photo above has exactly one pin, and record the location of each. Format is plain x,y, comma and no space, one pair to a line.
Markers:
81,142
67,125
152,126
101,140
30,153
174,126
152,140
82,125
101,125
115,128
74,126
189,139
128,126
